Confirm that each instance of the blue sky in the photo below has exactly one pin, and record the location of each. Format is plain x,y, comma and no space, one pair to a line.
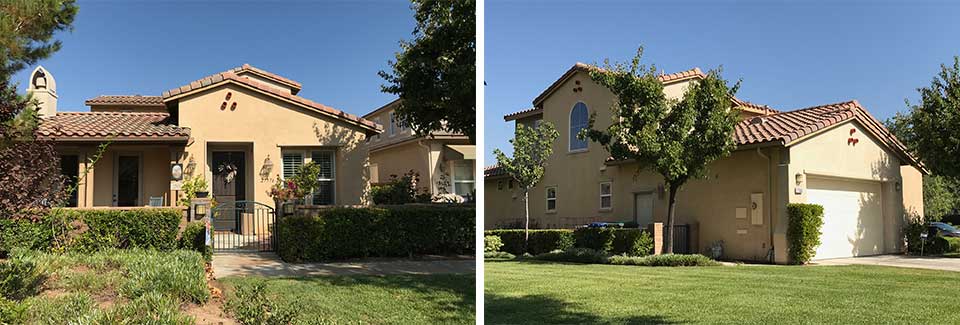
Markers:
333,48
789,55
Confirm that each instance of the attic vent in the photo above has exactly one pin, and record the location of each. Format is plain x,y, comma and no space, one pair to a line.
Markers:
757,120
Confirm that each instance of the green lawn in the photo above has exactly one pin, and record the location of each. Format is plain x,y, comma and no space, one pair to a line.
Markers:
108,287
392,299
539,292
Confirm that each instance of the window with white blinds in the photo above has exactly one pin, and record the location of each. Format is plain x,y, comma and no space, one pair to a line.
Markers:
291,162
324,195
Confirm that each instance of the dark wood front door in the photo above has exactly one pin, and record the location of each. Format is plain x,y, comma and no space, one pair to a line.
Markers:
128,181
228,188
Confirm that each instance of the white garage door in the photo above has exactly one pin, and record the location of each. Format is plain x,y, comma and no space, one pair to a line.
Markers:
852,217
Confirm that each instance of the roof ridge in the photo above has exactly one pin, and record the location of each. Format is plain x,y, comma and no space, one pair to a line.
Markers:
112,113
820,106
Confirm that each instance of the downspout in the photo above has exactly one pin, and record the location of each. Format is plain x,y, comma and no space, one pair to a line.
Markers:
429,166
769,202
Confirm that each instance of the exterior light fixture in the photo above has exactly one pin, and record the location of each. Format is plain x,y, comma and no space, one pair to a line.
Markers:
266,169
799,179
191,166
176,172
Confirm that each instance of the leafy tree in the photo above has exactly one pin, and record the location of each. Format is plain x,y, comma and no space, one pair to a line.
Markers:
677,139
531,148
434,74
932,127
31,181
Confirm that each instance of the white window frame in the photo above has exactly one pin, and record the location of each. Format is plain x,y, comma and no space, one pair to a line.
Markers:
547,198
608,195
473,165
570,148
306,156
393,125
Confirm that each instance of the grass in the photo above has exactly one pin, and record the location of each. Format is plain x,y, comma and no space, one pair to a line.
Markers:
108,287
543,292
391,299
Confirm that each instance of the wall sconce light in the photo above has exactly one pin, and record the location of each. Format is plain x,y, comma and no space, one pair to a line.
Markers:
200,210
176,172
266,169
191,165
799,179
897,186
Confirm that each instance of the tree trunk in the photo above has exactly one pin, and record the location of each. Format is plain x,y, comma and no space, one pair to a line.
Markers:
671,211
526,215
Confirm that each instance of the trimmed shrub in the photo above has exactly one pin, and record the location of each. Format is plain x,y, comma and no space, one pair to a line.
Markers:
541,240
953,244
499,256
340,233
492,244
664,260
803,231
599,239
575,255
632,242
93,230
19,279
194,237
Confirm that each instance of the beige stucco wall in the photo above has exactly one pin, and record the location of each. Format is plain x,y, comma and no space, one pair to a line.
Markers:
265,125
829,154
912,190
97,188
401,159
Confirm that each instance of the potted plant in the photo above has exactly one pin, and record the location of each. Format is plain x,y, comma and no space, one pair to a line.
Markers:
284,194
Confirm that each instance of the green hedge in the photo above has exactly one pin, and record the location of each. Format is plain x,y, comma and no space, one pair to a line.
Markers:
492,244
78,230
598,239
803,231
632,242
541,240
340,233
664,260
194,237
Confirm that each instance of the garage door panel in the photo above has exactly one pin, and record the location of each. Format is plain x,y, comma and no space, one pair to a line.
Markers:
853,217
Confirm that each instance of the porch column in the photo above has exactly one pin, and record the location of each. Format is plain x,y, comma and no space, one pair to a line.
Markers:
85,189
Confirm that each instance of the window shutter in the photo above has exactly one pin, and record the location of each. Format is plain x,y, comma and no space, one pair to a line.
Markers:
291,162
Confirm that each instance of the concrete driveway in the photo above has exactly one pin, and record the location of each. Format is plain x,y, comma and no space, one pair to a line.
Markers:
269,264
918,262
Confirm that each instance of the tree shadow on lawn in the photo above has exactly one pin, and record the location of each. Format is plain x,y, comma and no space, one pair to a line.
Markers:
542,309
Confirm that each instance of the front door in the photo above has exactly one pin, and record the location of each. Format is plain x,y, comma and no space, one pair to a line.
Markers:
643,209
128,181
228,188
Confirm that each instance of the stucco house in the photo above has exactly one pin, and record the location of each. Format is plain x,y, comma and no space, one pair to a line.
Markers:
238,129
836,155
444,160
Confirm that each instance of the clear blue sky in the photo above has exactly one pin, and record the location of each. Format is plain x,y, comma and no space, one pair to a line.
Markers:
333,48
789,55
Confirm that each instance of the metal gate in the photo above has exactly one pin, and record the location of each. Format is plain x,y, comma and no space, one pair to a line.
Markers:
681,239
243,226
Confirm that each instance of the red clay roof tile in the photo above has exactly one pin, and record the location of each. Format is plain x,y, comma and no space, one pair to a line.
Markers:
128,100
101,125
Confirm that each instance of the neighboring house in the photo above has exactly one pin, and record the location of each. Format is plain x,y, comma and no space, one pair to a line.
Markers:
239,129
836,155
445,161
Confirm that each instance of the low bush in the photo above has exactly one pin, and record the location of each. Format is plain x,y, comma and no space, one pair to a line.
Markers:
400,190
93,230
803,231
632,242
396,231
19,279
492,244
575,255
599,239
499,256
541,240
664,260
194,237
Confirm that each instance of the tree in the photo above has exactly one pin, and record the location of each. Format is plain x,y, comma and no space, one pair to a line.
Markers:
677,139
932,127
531,148
31,181
434,75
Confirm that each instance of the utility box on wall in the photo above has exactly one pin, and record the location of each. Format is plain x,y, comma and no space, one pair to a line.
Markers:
756,208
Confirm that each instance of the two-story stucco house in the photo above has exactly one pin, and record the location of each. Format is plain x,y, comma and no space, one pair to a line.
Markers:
444,160
836,155
239,129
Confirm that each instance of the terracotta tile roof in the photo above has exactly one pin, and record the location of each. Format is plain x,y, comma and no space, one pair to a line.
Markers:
494,171
129,100
121,125
231,75
579,66
269,75
523,113
762,109
787,127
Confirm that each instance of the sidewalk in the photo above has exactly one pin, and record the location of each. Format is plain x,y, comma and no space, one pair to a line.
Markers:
269,264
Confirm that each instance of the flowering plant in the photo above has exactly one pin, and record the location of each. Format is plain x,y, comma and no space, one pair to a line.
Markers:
283,190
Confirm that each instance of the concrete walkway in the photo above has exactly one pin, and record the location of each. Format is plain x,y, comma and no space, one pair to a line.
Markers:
919,262
269,264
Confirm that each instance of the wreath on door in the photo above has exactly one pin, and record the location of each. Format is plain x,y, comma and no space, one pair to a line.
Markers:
228,170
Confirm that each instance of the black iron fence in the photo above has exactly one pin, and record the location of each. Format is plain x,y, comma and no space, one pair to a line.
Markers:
681,239
243,226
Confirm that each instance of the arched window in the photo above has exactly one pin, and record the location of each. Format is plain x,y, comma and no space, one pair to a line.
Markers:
578,121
